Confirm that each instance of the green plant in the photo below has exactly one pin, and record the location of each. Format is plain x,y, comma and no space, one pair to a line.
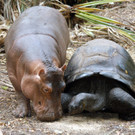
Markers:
83,11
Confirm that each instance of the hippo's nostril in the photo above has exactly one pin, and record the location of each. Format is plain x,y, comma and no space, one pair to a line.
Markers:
39,102
60,113
52,115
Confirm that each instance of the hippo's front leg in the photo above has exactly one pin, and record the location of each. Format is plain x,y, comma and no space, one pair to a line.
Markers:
23,104
23,108
65,100
86,101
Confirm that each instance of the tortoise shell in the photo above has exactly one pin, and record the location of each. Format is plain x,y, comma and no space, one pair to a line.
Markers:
101,57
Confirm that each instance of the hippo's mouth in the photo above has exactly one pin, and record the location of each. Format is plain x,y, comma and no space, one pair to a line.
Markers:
49,116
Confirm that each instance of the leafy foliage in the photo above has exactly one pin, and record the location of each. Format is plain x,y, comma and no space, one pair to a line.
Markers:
10,9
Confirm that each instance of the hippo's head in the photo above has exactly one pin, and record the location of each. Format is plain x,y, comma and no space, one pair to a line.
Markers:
44,89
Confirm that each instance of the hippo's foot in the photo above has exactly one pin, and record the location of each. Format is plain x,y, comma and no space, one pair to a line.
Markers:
23,108
127,117
21,111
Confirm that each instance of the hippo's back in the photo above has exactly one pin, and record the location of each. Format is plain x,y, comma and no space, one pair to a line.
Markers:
39,20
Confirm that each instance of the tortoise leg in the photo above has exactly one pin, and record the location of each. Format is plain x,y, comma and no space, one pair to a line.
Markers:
65,100
119,101
86,101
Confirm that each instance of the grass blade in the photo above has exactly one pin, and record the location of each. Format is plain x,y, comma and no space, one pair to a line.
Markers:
89,9
95,3
90,19
130,36
97,17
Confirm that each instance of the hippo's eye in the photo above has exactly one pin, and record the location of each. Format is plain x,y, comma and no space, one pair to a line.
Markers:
39,103
46,90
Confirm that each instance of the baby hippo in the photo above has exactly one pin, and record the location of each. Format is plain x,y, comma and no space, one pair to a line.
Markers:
35,50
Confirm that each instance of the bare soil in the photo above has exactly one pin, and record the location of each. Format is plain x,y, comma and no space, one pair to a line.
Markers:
82,124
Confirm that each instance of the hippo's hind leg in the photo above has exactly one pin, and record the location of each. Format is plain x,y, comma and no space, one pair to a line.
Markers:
23,104
119,101
86,101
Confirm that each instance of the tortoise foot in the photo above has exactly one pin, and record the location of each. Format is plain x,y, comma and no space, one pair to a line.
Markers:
76,108
77,104
127,117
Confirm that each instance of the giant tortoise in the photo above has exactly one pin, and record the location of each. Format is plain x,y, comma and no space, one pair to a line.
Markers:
100,76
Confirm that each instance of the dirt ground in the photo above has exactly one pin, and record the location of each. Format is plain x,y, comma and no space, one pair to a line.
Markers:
83,124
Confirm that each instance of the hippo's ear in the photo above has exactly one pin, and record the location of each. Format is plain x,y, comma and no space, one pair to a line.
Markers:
63,68
42,74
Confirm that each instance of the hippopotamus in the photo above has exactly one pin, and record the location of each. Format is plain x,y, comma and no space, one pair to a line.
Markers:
35,51
100,77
